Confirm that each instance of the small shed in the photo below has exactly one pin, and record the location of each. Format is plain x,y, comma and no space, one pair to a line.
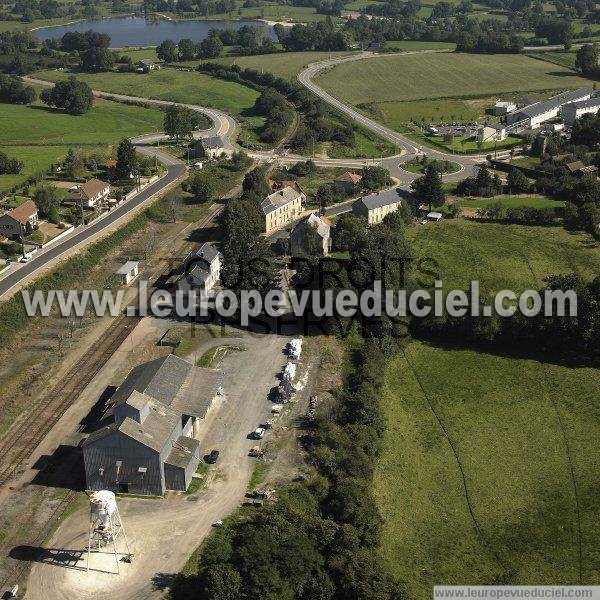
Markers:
434,216
128,272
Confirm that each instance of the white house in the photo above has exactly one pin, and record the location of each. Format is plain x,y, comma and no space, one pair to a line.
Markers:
491,133
90,193
128,272
215,146
375,207
502,108
572,111
200,270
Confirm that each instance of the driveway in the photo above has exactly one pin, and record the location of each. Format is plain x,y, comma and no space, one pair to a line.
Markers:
164,532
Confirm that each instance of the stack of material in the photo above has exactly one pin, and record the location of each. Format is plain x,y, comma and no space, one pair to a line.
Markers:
295,348
289,372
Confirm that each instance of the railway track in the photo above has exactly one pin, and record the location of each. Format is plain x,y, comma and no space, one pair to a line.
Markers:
22,439
15,575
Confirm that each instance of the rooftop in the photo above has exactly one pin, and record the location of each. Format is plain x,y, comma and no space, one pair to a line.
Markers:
590,103
184,449
23,212
127,267
279,198
90,188
555,102
349,177
214,142
380,199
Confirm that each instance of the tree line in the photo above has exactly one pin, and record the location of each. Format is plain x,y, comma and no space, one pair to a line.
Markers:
318,124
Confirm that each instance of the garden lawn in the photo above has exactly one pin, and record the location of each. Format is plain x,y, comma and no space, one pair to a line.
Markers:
501,414
443,75
501,256
35,158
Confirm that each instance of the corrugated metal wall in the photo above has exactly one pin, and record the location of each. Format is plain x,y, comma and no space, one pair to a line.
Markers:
106,451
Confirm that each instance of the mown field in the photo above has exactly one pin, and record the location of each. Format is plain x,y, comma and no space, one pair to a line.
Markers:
443,75
285,64
495,253
169,84
514,423
510,202
179,86
501,414
40,136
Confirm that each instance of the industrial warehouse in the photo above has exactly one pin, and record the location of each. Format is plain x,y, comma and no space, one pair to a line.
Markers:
150,443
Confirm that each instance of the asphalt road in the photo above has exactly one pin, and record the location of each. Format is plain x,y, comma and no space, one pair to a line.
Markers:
85,233
408,148
223,125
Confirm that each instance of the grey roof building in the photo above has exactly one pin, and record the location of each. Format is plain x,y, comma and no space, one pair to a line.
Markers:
215,146
299,240
538,113
376,206
200,270
150,444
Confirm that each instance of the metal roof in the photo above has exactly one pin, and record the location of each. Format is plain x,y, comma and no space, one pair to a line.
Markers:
380,199
279,198
127,267
160,378
213,142
590,103
555,102
184,450
322,228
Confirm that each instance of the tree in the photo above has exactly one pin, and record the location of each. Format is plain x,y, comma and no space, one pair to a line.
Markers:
517,183
97,59
75,97
73,164
429,188
186,49
47,200
348,232
222,582
167,51
210,47
126,159
13,91
201,185
586,59
179,122
9,166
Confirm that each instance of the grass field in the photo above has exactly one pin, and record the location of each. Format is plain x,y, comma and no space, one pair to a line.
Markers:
501,414
410,45
40,136
443,75
495,253
564,59
285,64
170,84
511,202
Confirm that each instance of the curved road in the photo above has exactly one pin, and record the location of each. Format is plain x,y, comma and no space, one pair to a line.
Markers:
408,148
223,125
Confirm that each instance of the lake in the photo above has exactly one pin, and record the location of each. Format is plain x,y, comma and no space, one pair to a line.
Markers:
137,31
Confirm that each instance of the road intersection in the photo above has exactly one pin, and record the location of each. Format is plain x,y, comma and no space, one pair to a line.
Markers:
225,126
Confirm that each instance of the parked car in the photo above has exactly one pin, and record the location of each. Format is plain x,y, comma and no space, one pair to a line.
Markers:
212,458
26,257
258,433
